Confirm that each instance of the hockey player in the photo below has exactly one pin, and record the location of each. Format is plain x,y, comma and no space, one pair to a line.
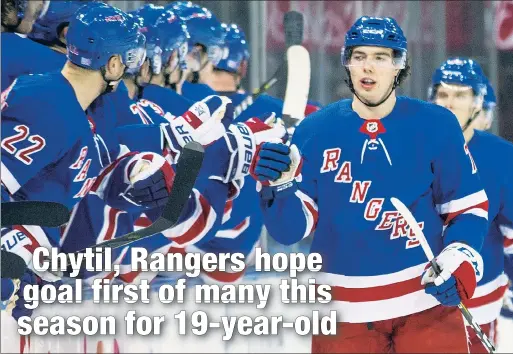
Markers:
205,47
41,162
345,163
18,17
167,43
458,86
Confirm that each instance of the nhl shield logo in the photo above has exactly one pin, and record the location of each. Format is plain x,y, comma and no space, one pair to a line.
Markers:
372,127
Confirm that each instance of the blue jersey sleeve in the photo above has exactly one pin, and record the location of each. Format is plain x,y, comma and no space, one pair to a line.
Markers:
294,217
458,192
169,100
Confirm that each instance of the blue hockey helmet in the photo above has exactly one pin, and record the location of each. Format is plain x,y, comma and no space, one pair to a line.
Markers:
489,100
236,52
203,27
165,33
97,33
378,32
458,71
48,27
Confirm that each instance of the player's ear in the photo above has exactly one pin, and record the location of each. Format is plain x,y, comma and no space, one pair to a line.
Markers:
114,65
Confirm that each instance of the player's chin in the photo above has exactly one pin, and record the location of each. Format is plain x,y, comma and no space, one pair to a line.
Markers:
370,96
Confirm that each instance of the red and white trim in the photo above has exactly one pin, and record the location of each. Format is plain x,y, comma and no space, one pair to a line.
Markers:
104,177
227,213
475,204
235,231
195,227
485,306
359,299
310,210
507,232
110,223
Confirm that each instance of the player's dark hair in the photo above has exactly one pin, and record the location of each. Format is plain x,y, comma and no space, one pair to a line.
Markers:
404,73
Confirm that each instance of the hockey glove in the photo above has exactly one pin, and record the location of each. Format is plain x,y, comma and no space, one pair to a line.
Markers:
242,143
204,122
150,179
461,268
275,168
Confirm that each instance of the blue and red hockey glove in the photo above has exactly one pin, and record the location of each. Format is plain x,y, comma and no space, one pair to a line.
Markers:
151,178
461,268
242,142
276,168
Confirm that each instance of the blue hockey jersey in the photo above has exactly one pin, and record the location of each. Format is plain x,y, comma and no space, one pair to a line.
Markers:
494,158
49,151
21,56
351,168
196,92
169,100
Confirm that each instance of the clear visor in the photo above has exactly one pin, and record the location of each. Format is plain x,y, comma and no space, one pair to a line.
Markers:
456,96
156,60
135,57
385,59
215,54
183,49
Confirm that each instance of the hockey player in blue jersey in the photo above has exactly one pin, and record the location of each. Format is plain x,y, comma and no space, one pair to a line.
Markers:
41,162
459,86
167,43
205,47
344,164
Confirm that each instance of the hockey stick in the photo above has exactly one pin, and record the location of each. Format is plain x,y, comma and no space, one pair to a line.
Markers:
293,25
298,85
410,220
187,170
47,214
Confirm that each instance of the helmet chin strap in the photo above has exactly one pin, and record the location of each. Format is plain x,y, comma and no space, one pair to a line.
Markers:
471,119
110,83
349,83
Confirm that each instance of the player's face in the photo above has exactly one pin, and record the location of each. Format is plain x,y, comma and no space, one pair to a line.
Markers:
372,72
458,99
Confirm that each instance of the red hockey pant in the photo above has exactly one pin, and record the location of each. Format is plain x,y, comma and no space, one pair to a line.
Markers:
490,329
437,330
